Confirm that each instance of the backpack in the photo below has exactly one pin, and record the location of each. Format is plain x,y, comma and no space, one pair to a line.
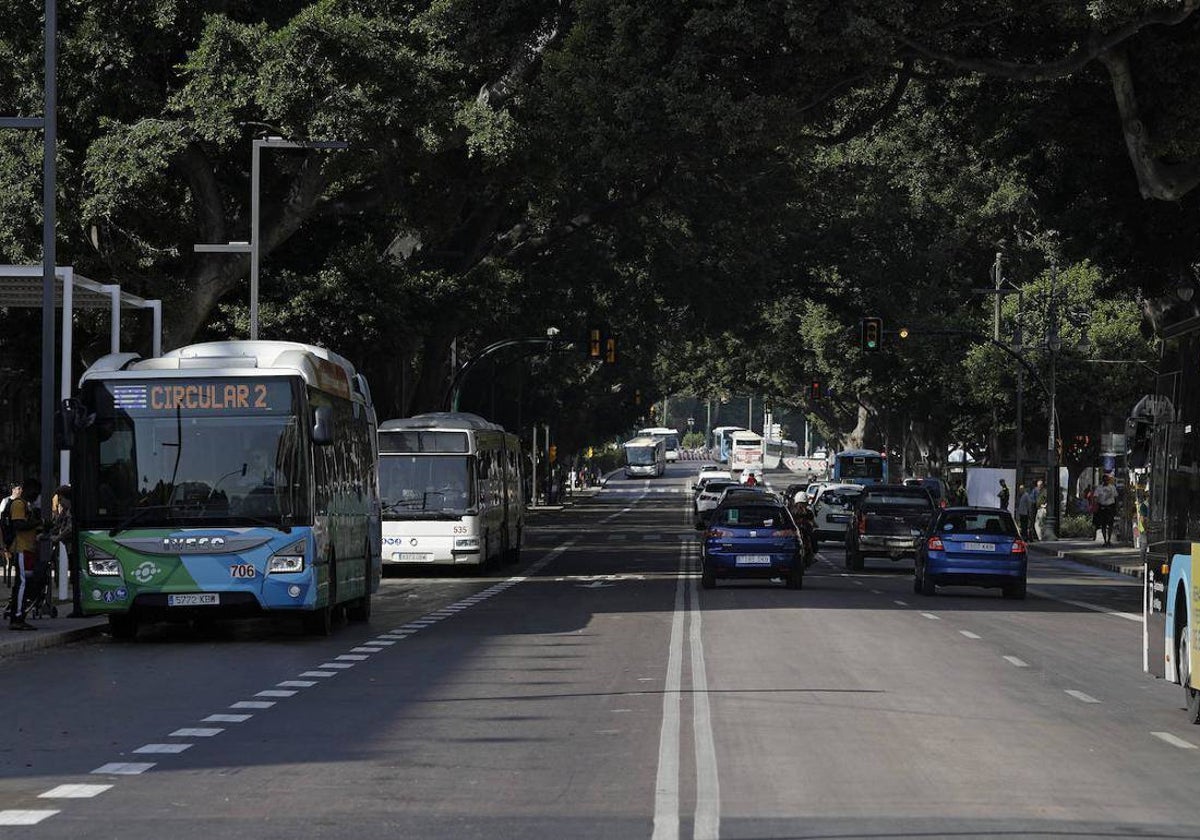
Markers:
8,531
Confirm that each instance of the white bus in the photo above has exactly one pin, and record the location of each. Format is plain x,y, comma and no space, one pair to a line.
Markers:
669,436
231,478
721,438
645,456
746,452
778,453
451,489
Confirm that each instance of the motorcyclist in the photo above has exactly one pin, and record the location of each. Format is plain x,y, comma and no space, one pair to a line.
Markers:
806,522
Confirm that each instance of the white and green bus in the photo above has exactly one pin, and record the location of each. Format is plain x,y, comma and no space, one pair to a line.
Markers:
232,478
645,457
452,491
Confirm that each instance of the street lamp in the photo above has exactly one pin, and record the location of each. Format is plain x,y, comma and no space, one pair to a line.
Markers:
253,247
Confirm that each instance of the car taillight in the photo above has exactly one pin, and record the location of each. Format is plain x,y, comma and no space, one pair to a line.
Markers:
1018,547
716,534
786,532
935,544
862,524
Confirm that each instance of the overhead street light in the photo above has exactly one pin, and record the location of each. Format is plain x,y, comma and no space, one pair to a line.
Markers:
253,247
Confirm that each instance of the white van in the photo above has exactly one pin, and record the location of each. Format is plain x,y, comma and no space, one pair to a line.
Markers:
833,510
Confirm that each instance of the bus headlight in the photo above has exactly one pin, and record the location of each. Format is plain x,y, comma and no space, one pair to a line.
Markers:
466,543
287,560
100,563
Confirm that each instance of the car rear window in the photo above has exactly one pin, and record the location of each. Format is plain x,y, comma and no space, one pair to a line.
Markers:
754,516
838,499
717,486
913,500
996,524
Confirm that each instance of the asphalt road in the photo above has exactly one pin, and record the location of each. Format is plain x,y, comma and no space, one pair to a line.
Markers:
595,691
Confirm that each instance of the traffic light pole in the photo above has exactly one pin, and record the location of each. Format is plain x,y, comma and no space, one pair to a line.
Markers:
455,390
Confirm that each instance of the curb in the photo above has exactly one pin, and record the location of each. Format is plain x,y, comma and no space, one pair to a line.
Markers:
41,639
1132,569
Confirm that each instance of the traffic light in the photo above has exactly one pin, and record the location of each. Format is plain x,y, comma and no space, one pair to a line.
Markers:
594,343
637,396
553,453
903,332
610,351
872,334
814,391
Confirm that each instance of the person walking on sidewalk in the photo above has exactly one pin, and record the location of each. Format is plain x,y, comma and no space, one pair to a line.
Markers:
1041,503
1106,508
1023,508
30,576
1003,494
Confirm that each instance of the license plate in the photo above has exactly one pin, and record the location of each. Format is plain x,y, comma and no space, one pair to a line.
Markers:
199,599
753,560
979,547
839,517
412,557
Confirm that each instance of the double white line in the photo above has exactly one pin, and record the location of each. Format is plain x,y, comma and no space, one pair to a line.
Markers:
707,818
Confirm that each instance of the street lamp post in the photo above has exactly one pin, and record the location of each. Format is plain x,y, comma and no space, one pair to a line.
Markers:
254,246
1050,524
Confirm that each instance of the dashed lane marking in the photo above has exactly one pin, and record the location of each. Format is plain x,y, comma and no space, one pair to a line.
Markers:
162,749
319,673
1081,697
252,704
274,693
1174,740
969,634
341,666
226,718
197,732
901,603
74,791
1020,663
27,817
123,768
932,617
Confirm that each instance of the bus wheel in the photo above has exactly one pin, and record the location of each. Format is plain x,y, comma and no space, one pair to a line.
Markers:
360,610
1190,695
122,627
319,622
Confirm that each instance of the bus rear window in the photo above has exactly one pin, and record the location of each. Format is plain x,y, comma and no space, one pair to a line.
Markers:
401,442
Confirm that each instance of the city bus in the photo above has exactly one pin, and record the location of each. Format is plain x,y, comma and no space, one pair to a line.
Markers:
860,466
225,479
669,436
746,452
721,438
645,457
779,453
452,492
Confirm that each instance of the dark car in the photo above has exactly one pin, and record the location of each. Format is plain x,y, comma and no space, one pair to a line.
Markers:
972,546
889,521
752,535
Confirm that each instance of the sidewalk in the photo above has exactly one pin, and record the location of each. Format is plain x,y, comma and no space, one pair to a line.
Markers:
50,632
1124,560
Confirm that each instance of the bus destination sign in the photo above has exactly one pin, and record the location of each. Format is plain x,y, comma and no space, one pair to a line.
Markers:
203,395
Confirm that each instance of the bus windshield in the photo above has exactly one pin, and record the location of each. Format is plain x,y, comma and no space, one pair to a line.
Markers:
860,466
641,456
167,461
412,485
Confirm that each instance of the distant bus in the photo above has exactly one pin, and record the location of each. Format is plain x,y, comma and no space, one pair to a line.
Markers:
776,450
451,489
746,452
669,436
860,466
722,436
645,457
225,479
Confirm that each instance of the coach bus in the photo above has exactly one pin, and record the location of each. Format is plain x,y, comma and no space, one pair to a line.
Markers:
225,479
746,452
645,457
860,466
452,492
670,438
722,437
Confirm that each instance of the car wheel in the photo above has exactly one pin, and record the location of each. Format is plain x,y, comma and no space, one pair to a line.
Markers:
795,578
1191,697
927,586
1015,592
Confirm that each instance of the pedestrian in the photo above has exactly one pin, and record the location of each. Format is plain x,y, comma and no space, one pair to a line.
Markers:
1023,507
960,495
30,574
62,532
1106,508
7,534
1003,494
1041,502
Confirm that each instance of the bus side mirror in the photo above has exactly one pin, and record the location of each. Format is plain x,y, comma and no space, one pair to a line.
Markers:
322,433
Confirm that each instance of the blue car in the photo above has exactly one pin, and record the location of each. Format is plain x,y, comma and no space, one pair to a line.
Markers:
972,546
752,535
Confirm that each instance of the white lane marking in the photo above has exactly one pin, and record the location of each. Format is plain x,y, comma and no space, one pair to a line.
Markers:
666,785
901,603
394,637
969,634
353,657
165,749
123,768
931,616
1174,741
318,673
26,817
226,718
197,732
1020,663
858,583
295,684
253,704
876,592
706,823
74,791
273,693
383,642
339,665
1081,697
1041,593
616,537
366,650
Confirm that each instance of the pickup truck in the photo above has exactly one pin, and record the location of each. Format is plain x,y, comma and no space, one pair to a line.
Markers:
888,521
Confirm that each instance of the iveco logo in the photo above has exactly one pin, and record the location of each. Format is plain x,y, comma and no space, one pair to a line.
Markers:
184,544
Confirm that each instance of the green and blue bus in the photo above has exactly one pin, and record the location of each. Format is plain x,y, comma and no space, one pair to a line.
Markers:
226,479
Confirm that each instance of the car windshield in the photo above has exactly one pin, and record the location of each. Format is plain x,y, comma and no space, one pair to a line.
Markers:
753,516
994,523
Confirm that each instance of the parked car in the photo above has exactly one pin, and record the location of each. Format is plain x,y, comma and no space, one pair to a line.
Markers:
889,521
833,510
972,546
751,534
707,499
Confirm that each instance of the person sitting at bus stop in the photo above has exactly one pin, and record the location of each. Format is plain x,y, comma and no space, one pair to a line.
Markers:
30,578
